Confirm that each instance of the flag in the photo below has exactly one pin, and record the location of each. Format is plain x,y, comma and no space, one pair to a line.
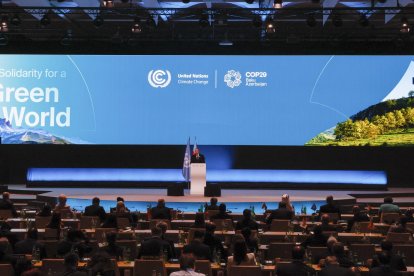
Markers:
195,145
186,163
314,207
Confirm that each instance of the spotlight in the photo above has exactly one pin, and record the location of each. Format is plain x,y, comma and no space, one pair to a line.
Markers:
270,27
45,20
277,4
136,28
257,21
249,2
15,20
108,3
203,22
98,21
337,20
4,26
405,28
311,21
363,20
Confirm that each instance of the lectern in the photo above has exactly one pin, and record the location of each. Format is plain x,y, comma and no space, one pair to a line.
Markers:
198,178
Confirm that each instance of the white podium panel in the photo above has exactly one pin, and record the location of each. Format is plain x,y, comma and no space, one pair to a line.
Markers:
198,178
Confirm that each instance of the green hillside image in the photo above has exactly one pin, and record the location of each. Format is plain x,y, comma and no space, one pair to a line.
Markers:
389,123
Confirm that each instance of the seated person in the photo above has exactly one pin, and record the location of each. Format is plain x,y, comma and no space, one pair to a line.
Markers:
95,210
282,213
155,246
358,217
240,255
401,227
396,261
222,213
286,199
118,199
330,207
7,204
62,207
332,268
247,221
75,240
199,221
297,267
384,267
45,212
317,239
112,249
327,226
198,248
27,245
161,211
100,264
251,243
71,266
213,205
110,222
338,251
164,227
121,211
187,264
214,242
388,206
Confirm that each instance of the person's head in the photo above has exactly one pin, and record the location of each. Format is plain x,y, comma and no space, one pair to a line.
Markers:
240,250
163,226
120,199
247,214
330,242
6,195
96,201
32,233
298,253
403,220
384,258
196,151
331,260
325,219
246,232
282,205
156,231
187,261
386,245
285,198
356,210
120,207
222,208
111,237
199,219
71,260
161,203
198,235
210,227
62,200
330,199
338,249
213,201
388,200
317,230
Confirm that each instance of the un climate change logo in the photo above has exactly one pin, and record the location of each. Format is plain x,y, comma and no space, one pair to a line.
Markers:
232,78
159,78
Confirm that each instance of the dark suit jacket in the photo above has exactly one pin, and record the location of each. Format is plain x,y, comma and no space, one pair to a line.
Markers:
114,251
330,209
215,244
295,268
199,249
26,247
154,246
252,224
161,213
336,270
384,270
95,210
281,213
8,205
360,217
397,262
200,159
212,207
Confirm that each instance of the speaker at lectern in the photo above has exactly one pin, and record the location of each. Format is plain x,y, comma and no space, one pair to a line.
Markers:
198,178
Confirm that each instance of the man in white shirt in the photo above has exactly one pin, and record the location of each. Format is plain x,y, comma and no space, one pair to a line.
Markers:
186,267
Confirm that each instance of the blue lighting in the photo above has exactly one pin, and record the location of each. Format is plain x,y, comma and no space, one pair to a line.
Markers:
213,175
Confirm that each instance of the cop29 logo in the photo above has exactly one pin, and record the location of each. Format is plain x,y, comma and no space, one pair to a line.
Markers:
159,78
232,78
